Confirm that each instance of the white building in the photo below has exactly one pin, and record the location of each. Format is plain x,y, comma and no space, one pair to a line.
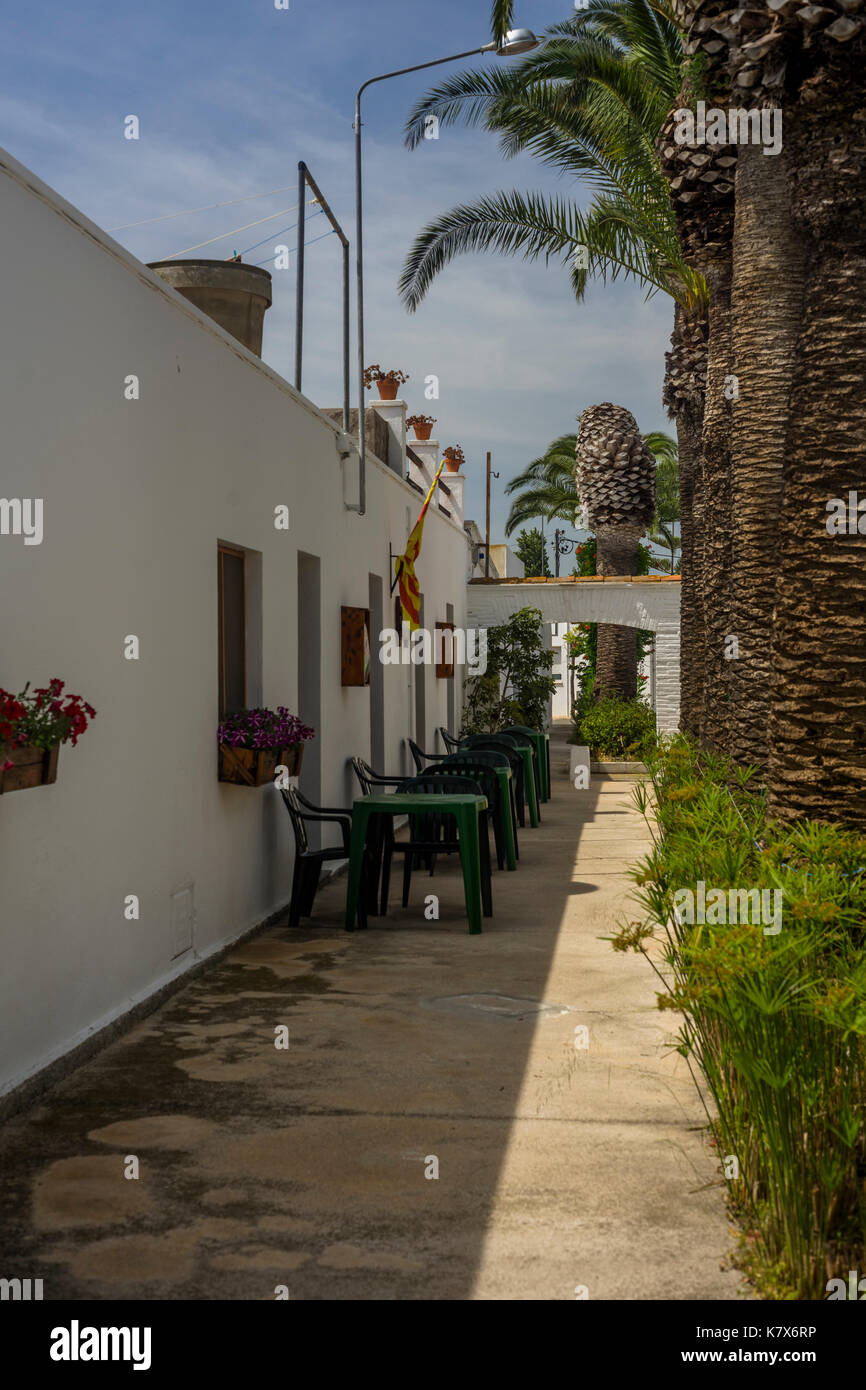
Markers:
152,439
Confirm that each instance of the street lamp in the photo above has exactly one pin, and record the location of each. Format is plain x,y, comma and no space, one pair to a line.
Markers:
562,545
516,41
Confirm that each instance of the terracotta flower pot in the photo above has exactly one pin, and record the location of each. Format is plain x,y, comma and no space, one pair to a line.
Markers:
31,767
452,465
387,389
255,767
423,431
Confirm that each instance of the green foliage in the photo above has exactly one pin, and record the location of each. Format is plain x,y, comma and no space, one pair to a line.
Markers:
618,729
546,487
531,549
517,685
590,103
664,528
776,1021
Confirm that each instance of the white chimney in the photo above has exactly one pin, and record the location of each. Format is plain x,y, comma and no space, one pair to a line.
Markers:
394,415
455,483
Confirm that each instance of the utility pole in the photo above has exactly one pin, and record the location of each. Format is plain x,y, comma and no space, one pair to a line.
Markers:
556,535
487,524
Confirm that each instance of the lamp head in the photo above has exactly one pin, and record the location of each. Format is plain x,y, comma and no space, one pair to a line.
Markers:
517,41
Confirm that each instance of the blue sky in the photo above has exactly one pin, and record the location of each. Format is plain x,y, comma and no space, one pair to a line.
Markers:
230,97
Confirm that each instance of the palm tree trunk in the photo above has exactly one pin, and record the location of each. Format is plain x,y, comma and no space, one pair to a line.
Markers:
716,450
817,761
683,395
767,304
616,656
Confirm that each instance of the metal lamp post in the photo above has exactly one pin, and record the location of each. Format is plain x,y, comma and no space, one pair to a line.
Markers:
516,41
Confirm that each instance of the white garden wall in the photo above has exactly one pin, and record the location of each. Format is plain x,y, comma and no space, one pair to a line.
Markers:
136,495
648,602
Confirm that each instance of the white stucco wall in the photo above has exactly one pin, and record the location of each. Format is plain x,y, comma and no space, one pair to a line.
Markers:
136,496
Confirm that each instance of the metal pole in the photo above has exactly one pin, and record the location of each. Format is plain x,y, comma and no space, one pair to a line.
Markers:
359,255
346,337
556,536
487,528
359,252
299,289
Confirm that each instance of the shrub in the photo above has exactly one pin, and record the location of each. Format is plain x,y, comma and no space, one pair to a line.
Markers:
517,684
619,729
776,1021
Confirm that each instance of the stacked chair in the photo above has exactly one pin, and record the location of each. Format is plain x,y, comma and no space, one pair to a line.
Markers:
469,765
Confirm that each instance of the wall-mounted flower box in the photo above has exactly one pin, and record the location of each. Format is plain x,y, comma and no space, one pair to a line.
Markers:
32,728
255,767
25,766
253,743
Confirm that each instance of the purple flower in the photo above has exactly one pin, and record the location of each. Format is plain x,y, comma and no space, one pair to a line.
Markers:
263,728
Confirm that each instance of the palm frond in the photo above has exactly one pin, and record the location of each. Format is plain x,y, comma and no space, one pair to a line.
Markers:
501,18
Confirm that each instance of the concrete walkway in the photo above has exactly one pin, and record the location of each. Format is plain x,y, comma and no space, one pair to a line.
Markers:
413,1048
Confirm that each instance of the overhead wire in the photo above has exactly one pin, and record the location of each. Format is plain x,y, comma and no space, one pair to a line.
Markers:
208,207
293,249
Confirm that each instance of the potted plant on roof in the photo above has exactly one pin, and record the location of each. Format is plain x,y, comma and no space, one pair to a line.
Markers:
253,743
32,728
421,424
454,459
387,382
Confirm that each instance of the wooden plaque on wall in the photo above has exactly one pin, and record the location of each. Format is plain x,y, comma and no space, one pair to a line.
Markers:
445,667
354,646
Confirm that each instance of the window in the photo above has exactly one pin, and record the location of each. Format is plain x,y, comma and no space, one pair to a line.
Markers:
232,629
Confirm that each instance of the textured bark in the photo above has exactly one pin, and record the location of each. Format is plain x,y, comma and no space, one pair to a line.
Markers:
716,451
766,303
701,182
683,395
615,476
817,761
616,657
692,625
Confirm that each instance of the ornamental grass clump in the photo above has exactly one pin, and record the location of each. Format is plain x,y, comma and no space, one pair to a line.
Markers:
775,1020
263,728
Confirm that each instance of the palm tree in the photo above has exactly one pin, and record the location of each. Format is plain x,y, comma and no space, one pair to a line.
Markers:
813,249
546,487
797,346
667,518
701,179
591,103
615,476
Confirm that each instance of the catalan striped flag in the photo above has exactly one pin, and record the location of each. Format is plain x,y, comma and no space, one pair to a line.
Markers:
410,590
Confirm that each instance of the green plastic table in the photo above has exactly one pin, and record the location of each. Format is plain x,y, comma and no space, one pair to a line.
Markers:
526,755
465,808
541,742
509,844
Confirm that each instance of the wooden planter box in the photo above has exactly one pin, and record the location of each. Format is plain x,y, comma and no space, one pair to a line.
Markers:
33,767
255,767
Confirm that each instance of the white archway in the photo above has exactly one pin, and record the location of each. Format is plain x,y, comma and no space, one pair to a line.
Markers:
651,602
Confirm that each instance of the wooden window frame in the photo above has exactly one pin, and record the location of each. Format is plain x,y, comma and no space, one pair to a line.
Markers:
238,553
